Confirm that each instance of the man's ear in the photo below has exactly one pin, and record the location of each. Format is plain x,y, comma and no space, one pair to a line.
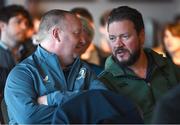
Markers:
142,37
56,33
2,25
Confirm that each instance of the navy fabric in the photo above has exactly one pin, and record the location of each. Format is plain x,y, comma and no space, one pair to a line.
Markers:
3,75
167,110
97,106
6,57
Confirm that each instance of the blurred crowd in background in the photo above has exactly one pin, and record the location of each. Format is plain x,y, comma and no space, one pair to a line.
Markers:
165,37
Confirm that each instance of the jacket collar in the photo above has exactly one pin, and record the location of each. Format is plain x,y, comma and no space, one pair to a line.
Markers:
50,58
157,58
4,46
113,67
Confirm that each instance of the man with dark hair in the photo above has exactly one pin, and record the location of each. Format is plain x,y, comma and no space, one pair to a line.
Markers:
52,75
141,74
104,49
83,12
14,23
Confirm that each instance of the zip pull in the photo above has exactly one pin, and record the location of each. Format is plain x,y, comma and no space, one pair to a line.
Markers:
46,79
149,84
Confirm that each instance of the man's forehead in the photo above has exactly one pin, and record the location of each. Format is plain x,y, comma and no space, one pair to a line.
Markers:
70,16
19,16
72,21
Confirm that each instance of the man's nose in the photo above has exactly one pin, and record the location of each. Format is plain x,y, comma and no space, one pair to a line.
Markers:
119,42
24,25
82,40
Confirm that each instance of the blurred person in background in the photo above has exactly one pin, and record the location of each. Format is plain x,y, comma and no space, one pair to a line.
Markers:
170,45
33,7
27,47
141,74
87,49
172,42
177,18
104,49
14,24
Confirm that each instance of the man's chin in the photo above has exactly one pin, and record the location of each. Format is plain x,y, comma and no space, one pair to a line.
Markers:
75,55
122,59
22,40
123,62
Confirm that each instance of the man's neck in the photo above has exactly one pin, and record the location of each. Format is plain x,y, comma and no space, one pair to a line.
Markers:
9,43
140,67
66,65
176,58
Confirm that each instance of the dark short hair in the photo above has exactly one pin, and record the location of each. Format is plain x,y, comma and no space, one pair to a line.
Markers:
127,13
10,11
104,18
174,28
83,12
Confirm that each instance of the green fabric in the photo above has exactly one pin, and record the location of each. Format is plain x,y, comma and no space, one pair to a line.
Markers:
123,80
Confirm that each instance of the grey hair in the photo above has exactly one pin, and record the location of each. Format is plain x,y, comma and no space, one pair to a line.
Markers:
49,19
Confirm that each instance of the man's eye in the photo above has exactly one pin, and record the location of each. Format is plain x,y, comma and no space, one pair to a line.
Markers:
18,21
125,37
77,33
112,38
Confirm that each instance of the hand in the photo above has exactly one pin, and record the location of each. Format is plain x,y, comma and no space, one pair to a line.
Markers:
42,100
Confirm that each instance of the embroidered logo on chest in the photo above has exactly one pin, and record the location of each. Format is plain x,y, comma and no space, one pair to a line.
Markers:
81,74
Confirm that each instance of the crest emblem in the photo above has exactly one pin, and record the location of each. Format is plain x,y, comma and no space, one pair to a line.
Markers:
82,74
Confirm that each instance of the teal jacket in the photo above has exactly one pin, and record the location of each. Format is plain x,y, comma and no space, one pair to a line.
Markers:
41,74
162,76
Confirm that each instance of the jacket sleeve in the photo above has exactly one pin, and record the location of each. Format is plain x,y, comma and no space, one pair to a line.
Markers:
88,83
21,99
94,83
59,97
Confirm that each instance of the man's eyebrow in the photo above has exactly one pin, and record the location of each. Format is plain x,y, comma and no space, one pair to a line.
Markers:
119,34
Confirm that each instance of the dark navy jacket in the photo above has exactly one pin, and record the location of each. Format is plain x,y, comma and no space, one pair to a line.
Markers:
6,58
97,107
